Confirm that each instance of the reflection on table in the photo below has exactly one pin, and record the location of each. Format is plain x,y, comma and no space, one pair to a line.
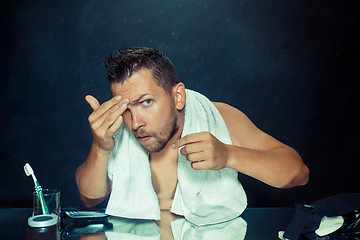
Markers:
169,227
254,223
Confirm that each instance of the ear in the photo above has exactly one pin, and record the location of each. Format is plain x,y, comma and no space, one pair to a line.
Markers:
179,96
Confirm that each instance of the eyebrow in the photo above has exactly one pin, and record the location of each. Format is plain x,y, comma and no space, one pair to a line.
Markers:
138,99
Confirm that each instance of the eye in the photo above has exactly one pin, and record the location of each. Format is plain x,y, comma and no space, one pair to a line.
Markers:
147,102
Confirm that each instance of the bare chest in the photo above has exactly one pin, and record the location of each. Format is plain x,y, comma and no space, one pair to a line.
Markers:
164,180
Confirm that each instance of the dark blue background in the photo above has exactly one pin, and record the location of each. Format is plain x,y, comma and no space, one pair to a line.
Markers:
291,66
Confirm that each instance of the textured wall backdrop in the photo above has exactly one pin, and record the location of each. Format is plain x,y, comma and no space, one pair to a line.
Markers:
291,66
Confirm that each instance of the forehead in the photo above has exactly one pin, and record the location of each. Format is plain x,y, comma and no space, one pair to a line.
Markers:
141,82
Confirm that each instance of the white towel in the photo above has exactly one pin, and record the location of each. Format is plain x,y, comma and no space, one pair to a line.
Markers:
202,196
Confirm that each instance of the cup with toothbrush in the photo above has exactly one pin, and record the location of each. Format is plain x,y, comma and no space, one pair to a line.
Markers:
44,224
51,197
45,201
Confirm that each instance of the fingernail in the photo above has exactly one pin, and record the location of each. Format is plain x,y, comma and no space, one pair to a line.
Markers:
173,146
118,97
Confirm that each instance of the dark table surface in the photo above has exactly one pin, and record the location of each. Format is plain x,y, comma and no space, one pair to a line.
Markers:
254,223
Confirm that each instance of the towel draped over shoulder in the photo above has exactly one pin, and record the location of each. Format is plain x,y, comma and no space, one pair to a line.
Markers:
202,196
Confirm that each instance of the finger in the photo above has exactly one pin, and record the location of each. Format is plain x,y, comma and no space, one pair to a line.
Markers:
104,108
192,147
200,165
109,118
107,105
190,138
116,125
196,157
94,103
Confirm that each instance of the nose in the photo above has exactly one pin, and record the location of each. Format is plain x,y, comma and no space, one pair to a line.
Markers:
136,121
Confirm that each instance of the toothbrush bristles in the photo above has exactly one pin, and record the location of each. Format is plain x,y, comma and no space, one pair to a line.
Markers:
28,170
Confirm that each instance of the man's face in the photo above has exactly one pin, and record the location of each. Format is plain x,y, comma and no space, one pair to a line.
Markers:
151,113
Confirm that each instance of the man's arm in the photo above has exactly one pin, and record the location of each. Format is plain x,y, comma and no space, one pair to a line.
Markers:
91,177
253,152
259,155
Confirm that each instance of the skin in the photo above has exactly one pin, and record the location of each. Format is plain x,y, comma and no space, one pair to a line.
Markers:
154,116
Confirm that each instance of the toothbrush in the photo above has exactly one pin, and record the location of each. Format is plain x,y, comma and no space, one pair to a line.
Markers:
29,171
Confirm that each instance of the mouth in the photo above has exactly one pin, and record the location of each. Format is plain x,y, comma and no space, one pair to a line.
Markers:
143,139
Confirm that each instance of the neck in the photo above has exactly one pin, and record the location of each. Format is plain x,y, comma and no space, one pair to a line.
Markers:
168,149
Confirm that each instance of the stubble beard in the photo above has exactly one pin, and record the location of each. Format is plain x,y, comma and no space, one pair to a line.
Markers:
161,138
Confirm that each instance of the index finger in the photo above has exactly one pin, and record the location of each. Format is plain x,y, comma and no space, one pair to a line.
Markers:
187,139
107,105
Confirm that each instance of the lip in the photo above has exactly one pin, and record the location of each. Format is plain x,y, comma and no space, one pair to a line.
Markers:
144,139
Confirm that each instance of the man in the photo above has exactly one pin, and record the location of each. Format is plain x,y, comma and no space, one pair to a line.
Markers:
150,100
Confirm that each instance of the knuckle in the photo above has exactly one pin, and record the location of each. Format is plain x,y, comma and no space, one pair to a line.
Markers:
114,100
93,128
108,120
108,134
90,118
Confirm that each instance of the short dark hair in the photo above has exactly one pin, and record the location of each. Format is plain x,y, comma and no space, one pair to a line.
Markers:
125,62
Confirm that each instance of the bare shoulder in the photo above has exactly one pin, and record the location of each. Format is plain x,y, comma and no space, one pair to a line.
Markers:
236,121
242,130
228,112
